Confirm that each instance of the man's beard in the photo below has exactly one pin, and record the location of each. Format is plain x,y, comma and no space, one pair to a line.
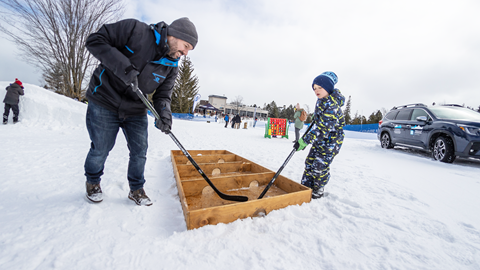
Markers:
173,49
172,54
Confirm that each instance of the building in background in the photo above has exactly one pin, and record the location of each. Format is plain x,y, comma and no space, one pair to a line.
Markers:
220,103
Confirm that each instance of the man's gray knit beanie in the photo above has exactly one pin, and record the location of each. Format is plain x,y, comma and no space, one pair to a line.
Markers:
183,29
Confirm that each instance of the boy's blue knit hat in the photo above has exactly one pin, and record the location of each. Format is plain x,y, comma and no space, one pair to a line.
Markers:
326,80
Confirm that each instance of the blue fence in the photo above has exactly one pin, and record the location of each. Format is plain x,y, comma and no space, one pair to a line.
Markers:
185,116
369,128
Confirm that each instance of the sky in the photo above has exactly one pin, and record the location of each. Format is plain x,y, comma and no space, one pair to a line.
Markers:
375,214
385,53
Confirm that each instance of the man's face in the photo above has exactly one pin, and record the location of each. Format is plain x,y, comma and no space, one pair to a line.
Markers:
178,47
319,91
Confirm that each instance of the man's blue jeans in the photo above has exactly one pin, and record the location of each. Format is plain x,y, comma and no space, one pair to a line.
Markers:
103,126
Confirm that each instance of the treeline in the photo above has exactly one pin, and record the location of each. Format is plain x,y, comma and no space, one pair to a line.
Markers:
288,112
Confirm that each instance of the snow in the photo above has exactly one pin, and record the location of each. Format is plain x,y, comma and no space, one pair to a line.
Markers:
385,209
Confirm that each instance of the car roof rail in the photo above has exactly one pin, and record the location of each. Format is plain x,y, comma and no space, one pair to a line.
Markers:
409,105
453,105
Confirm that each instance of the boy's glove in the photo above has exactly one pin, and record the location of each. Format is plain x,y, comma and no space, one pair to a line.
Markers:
299,145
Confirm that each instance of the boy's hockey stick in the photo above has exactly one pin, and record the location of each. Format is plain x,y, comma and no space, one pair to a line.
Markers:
283,166
185,152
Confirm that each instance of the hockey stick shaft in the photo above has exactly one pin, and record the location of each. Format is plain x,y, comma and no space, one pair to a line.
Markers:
185,152
283,166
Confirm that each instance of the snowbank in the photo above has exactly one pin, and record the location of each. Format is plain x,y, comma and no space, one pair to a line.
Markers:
385,209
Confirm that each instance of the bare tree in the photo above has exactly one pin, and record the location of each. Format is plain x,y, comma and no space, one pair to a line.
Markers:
51,34
237,102
307,108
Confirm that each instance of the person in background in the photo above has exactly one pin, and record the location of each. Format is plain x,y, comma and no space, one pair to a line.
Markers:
238,121
326,136
11,100
226,120
131,52
298,123
234,119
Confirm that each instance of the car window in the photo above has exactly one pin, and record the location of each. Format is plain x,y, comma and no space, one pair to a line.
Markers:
418,112
391,115
455,113
404,114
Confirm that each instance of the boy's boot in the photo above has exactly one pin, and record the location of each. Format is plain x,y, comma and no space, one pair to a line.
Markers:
94,192
5,119
139,197
317,193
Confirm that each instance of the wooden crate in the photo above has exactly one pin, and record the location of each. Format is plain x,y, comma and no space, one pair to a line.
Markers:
232,175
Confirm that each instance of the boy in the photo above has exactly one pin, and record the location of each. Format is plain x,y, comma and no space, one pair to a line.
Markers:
326,136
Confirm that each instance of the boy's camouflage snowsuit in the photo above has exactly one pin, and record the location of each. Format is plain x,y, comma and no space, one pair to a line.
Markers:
326,138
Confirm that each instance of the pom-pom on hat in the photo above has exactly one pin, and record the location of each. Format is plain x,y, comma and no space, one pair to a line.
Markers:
183,29
326,80
17,81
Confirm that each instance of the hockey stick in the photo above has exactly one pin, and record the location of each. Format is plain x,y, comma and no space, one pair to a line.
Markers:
185,152
283,166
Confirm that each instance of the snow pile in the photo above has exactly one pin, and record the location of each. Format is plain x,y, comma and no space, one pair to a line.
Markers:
39,107
385,209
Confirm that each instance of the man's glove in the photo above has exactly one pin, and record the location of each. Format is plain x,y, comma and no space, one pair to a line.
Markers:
131,74
165,121
299,145
134,84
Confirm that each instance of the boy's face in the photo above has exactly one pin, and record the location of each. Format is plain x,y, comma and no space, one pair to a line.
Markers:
319,91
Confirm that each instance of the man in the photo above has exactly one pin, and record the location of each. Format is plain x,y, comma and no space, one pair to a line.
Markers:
11,100
131,51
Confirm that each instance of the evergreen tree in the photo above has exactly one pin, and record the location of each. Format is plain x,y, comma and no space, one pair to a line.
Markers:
375,117
288,113
185,88
348,118
273,110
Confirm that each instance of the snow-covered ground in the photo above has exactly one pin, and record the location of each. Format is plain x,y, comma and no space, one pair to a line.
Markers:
385,209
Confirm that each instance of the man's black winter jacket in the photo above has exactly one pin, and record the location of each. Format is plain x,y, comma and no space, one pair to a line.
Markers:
120,47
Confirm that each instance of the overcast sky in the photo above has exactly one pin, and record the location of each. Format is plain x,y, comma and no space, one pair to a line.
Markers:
385,53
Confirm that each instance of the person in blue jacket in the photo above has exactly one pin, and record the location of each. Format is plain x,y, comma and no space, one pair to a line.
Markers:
326,136
131,51
226,120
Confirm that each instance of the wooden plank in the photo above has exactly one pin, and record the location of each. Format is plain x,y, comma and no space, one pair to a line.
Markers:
289,185
194,153
181,192
224,183
217,158
189,170
254,208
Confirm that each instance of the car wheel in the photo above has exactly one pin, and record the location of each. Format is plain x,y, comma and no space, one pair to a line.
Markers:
386,141
443,150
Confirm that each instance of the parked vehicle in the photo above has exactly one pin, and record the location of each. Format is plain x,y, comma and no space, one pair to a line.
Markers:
447,131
